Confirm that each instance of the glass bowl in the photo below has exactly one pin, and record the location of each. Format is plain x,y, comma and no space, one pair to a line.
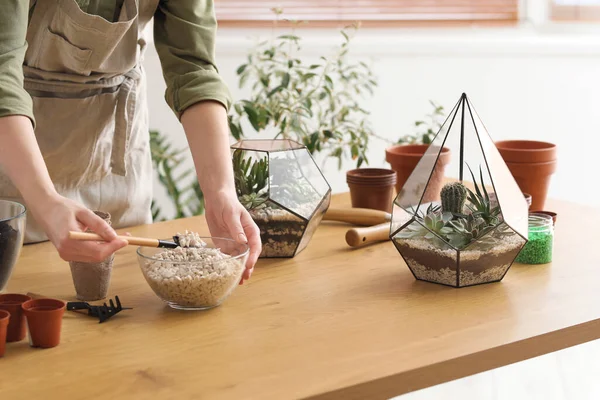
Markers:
200,284
12,231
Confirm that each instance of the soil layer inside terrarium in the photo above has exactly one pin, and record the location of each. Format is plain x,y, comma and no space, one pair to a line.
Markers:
280,231
478,264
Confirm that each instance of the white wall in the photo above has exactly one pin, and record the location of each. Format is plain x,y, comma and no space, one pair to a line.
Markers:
543,86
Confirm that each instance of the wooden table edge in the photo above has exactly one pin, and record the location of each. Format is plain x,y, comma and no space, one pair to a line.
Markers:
471,364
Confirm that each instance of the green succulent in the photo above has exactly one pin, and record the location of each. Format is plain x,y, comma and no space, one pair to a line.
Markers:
253,201
465,230
453,196
251,177
431,226
479,202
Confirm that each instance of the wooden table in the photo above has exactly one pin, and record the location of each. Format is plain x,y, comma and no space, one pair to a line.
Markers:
332,323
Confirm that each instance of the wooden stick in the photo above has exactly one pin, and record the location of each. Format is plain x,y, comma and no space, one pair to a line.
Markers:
358,237
136,241
357,216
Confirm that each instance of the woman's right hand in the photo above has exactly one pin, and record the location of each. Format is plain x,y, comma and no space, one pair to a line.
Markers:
59,215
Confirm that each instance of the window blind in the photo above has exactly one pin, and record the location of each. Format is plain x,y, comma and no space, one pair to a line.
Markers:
370,12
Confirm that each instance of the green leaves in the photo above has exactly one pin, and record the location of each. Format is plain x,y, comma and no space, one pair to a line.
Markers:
317,104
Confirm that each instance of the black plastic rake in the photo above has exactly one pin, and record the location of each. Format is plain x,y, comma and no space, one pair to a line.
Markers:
103,312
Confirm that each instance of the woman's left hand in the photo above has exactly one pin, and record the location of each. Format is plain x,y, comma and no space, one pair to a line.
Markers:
227,218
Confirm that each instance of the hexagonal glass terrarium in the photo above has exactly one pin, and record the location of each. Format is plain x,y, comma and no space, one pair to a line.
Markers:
284,190
467,226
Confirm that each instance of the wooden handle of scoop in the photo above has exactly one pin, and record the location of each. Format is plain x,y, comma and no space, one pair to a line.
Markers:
136,241
357,237
357,216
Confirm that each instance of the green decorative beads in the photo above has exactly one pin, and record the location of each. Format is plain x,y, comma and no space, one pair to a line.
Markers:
538,249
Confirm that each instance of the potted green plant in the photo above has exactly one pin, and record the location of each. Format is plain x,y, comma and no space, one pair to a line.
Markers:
408,151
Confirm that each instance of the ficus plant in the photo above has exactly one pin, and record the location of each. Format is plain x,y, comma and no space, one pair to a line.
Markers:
317,104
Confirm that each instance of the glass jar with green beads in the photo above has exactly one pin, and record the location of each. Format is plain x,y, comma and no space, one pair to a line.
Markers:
538,249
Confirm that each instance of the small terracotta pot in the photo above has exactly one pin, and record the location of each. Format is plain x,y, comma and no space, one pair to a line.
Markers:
44,320
4,320
91,280
17,328
533,178
551,214
372,188
404,159
526,151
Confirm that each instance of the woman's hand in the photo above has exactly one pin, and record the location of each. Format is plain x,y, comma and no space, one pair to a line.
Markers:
227,218
59,215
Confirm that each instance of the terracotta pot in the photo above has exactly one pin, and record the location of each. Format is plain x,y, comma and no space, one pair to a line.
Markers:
533,178
44,320
526,151
4,320
91,280
17,328
372,188
404,159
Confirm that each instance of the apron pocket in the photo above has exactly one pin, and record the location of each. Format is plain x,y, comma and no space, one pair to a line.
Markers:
76,137
59,55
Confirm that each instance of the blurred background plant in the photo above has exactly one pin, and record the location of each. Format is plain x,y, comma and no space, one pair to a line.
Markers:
317,104
427,128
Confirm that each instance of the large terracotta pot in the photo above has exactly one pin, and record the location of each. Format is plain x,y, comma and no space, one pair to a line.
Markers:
404,159
532,164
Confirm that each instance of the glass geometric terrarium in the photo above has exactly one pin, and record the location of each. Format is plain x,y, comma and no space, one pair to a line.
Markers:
470,231
283,189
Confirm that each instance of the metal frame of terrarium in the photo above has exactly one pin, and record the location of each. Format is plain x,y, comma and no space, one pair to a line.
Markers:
325,199
463,104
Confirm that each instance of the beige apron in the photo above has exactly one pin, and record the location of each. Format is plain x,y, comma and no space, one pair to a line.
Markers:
89,100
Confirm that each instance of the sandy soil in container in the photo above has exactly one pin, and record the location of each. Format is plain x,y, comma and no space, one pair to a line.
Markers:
478,264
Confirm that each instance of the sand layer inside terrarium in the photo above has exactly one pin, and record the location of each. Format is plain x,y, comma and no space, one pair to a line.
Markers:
479,263
280,231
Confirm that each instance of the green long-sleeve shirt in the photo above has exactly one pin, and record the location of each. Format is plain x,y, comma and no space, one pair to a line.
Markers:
184,36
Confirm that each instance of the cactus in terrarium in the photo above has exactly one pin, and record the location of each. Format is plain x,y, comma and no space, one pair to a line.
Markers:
454,196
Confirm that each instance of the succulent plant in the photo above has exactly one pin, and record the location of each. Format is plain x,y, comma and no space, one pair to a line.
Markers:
464,230
454,196
251,176
430,226
479,202
253,201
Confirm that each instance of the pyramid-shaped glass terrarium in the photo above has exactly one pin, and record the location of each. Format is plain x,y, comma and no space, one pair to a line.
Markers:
463,226
284,190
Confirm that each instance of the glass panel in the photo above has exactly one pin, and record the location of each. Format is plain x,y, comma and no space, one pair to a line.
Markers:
509,196
296,182
428,257
314,222
280,230
489,258
251,174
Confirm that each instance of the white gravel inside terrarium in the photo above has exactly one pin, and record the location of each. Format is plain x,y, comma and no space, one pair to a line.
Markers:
489,275
203,278
444,275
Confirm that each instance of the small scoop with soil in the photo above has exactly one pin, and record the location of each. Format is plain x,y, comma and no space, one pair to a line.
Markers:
188,239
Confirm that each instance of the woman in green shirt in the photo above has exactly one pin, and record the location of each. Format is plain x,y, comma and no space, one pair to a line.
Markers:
74,120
